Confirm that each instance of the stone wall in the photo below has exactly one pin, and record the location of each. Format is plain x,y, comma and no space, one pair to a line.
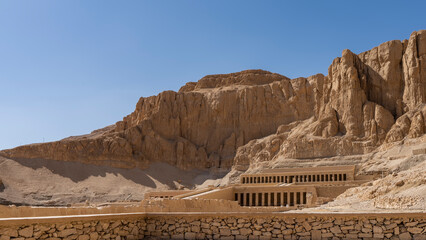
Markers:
237,226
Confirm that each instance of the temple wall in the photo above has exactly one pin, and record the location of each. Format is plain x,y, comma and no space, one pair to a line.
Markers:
165,194
225,194
220,226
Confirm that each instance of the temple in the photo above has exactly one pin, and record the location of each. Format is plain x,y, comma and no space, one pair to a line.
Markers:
287,188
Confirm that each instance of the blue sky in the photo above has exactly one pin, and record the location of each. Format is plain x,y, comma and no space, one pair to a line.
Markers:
69,67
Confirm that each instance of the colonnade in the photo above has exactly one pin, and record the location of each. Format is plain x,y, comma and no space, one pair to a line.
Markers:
161,196
264,199
256,178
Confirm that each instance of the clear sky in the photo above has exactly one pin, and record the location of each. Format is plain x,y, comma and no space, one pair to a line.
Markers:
69,67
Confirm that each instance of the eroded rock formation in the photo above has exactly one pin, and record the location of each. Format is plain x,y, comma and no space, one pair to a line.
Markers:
234,120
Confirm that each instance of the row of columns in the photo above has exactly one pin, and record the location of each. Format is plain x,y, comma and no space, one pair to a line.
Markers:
263,199
295,178
167,197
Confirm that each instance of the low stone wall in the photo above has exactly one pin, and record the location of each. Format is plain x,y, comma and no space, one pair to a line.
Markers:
221,226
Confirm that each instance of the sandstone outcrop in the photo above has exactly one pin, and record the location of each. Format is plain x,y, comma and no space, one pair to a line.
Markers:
233,120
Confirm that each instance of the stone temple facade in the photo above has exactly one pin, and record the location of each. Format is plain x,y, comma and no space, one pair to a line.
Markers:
287,188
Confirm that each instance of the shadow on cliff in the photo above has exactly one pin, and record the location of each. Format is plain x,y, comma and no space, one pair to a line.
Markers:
373,86
78,172
161,172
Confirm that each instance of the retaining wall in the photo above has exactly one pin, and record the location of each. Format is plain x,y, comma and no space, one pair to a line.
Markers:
218,226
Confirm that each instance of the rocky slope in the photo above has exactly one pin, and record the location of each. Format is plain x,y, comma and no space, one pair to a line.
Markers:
237,120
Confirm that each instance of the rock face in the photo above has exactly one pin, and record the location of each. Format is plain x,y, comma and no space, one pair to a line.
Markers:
234,120
200,126
366,100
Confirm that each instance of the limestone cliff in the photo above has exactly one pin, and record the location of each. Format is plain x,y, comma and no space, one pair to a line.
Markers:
234,120
201,126
365,101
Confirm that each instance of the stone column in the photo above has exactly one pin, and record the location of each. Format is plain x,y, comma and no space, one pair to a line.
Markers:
275,199
295,198
288,198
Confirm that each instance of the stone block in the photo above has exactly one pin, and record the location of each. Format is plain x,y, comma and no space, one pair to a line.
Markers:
26,232
245,231
327,235
9,232
94,236
149,227
347,227
411,224
391,226
190,235
195,228
377,230
419,237
327,225
227,237
414,230
352,236
335,229
303,234
196,223
307,226
316,234
388,235
378,235
405,236
225,231
396,231
365,235
178,236
239,237
264,237
200,235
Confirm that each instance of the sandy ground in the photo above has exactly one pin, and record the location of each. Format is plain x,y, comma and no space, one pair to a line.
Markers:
56,183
